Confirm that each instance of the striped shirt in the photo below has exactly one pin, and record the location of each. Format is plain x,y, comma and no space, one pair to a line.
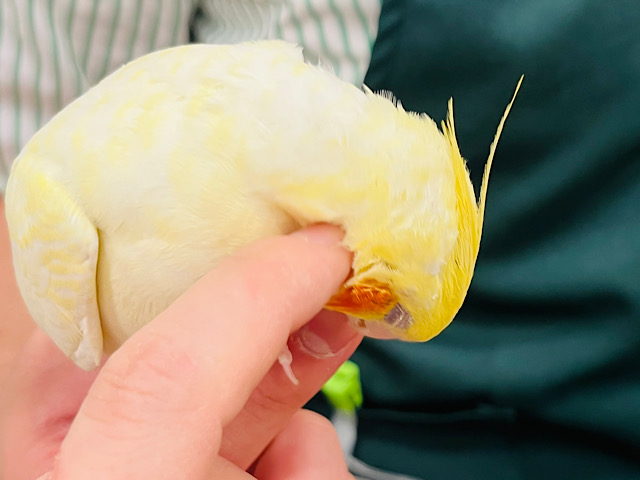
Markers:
51,51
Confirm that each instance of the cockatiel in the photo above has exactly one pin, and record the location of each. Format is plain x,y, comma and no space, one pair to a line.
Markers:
140,186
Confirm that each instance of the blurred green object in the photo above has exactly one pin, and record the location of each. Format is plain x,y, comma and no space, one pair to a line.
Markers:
343,389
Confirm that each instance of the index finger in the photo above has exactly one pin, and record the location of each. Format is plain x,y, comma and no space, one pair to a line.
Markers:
163,398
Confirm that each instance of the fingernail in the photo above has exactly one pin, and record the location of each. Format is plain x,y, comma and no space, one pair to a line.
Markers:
322,234
326,335
46,476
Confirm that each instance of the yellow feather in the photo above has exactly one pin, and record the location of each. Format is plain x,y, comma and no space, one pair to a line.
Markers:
460,267
492,151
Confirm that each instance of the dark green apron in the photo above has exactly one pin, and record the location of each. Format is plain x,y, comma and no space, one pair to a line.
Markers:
538,377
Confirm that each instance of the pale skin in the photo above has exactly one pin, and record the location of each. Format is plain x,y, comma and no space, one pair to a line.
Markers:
197,393
15,323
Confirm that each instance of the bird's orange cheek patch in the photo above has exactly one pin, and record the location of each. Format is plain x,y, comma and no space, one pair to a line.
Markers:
363,300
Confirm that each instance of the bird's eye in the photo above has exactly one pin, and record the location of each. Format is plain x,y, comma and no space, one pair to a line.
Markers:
398,317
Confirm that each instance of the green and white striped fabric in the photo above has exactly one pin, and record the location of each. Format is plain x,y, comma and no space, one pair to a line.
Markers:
51,51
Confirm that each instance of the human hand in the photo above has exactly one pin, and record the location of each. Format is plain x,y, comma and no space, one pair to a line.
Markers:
15,323
196,394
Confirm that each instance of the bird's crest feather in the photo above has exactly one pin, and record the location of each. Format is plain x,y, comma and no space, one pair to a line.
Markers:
492,151
459,269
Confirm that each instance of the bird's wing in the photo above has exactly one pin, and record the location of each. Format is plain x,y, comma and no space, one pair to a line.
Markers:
55,253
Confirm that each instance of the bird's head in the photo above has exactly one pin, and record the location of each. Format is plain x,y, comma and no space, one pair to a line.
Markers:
410,279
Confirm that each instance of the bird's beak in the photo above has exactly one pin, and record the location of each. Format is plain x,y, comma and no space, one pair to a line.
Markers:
372,328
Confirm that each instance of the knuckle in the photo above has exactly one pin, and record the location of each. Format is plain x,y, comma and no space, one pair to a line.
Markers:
267,400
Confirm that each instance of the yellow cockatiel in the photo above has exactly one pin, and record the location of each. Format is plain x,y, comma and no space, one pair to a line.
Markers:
139,187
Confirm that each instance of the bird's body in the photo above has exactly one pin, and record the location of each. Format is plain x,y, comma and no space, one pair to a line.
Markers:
142,185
